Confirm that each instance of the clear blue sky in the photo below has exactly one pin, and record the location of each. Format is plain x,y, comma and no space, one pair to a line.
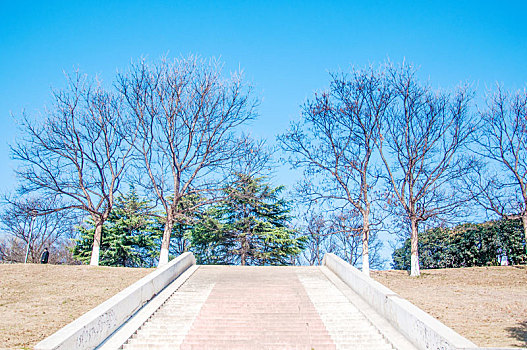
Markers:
285,48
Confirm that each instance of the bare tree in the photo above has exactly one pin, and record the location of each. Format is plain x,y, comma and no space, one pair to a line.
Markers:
339,233
318,238
186,113
502,140
254,158
78,152
346,228
21,223
335,142
421,147
12,249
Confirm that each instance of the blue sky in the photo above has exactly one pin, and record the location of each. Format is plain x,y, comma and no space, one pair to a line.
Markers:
285,48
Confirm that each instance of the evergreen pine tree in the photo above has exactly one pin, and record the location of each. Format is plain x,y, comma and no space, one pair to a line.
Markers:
249,227
130,237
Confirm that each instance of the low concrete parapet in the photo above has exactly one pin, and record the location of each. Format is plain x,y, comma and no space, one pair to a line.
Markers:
89,330
424,331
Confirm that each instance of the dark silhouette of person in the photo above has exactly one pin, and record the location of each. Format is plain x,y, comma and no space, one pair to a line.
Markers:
45,256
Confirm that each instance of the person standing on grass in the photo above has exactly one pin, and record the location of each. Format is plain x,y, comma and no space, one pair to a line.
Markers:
45,256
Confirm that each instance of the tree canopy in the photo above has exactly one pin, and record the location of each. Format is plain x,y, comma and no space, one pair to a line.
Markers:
131,235
250,226
379,148
489,243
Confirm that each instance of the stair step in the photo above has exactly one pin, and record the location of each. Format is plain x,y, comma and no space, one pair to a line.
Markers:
257,308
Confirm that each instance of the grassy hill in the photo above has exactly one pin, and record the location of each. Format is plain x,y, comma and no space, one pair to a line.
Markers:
37,300
487,304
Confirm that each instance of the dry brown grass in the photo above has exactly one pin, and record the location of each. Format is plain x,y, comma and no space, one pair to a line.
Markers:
37,300
487,305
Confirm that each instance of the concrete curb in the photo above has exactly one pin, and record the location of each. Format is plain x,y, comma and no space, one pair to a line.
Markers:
127,329
420,328
89,330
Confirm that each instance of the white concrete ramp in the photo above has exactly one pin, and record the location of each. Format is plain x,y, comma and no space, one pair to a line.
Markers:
233,307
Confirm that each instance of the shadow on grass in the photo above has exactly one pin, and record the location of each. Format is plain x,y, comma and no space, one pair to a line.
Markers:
519,332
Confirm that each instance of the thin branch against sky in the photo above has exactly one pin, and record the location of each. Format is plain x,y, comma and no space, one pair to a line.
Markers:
285,50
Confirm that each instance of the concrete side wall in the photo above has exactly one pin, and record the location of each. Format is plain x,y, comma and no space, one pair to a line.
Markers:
419,327
89,330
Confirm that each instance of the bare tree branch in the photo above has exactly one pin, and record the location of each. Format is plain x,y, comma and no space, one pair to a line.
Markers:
78,152
421,146
502,140
335,143
186,114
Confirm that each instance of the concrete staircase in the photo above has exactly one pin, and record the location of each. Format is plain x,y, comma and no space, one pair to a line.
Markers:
233,307
182,305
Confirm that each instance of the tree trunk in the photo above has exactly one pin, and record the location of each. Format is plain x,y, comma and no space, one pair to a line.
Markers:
365,248
415,253
94,261
165,243
244,250
524,222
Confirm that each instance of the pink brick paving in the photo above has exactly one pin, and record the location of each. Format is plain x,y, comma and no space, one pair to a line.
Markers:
257,308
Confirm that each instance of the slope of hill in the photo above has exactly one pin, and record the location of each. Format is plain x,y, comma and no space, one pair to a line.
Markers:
488,305
37,300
